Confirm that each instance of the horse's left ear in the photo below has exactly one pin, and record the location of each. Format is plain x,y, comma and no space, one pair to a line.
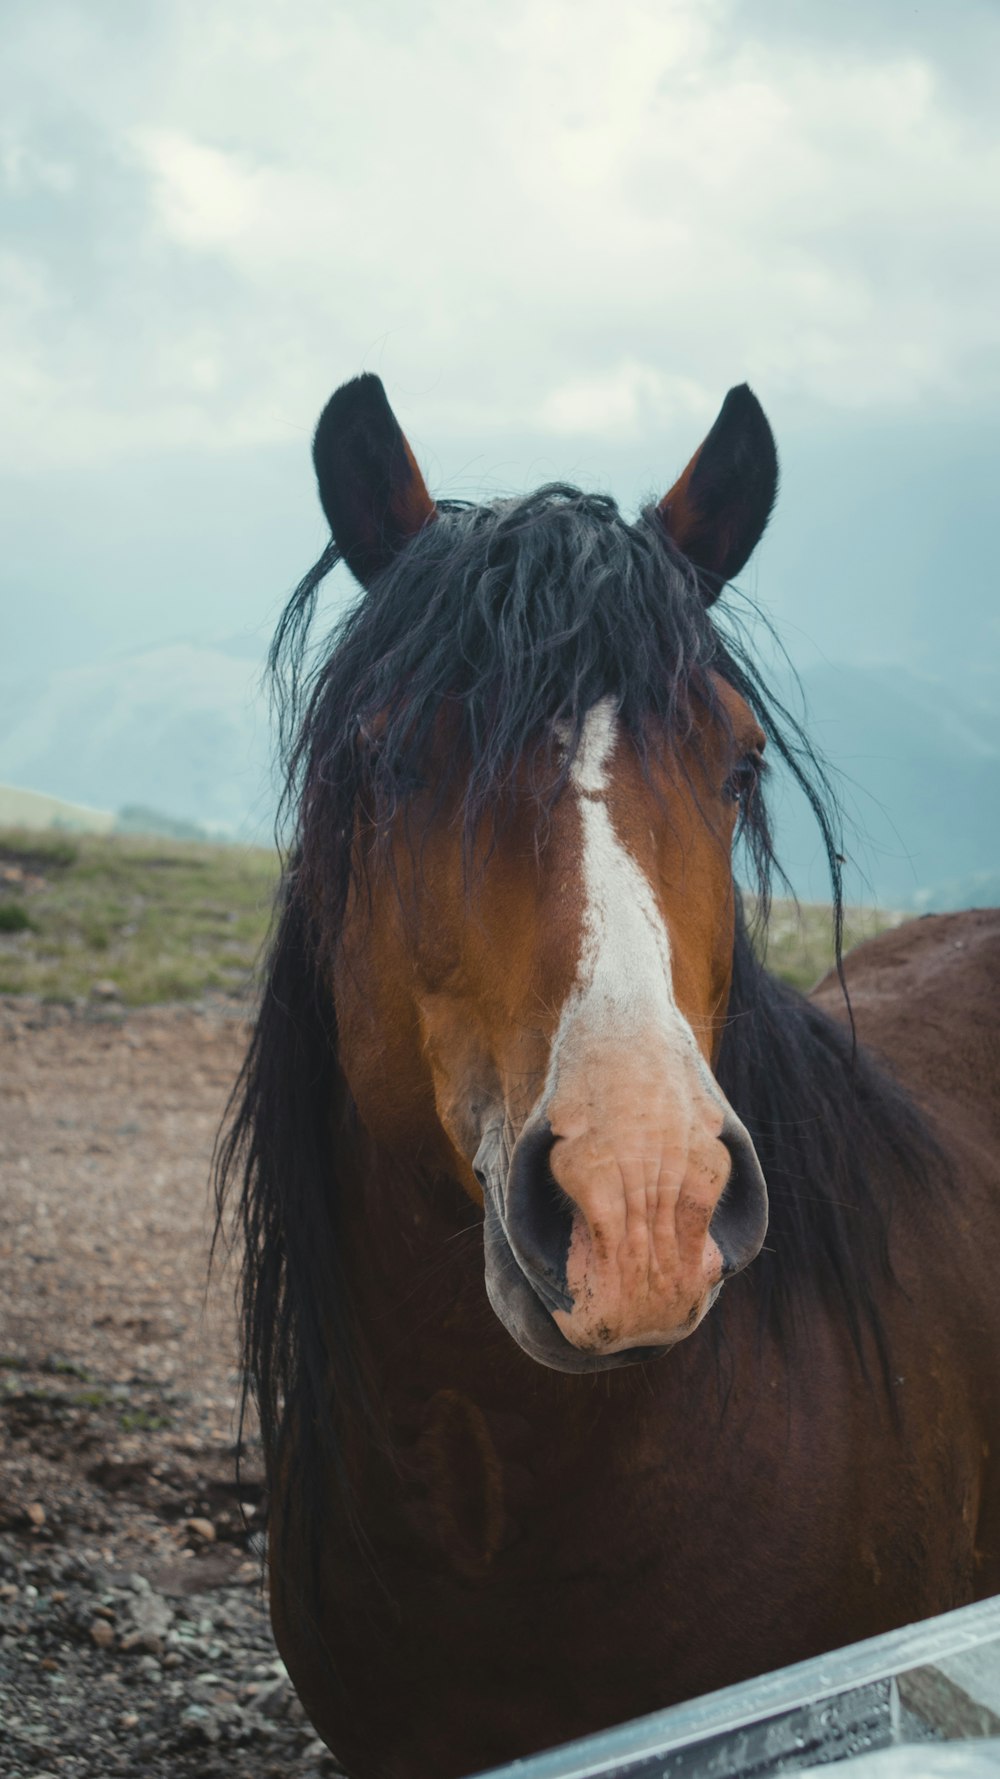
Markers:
372,491
717,509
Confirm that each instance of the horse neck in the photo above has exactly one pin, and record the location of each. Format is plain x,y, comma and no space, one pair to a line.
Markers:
414,1250
414,1244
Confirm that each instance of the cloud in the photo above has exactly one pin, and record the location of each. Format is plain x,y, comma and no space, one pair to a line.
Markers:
531,217
204,197
22,171
620,403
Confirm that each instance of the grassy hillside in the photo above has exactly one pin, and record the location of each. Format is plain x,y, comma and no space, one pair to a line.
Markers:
37,810
161,920
146,920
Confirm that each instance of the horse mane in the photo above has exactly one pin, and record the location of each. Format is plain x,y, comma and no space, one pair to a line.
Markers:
518,617
835,1134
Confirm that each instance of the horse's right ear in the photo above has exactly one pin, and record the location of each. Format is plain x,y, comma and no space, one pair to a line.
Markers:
372,491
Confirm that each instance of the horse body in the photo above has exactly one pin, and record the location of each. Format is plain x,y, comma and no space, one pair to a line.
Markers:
546,1555
515,1028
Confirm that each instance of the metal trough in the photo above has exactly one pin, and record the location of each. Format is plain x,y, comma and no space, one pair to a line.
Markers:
932,1683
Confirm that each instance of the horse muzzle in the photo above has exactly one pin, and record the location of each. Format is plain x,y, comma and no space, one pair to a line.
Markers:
602,1253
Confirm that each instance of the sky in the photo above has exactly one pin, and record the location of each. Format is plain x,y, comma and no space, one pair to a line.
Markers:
558,229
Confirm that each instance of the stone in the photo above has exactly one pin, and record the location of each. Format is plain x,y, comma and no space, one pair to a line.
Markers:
202,1531
101,1633
149,1618
272,1701
200,1724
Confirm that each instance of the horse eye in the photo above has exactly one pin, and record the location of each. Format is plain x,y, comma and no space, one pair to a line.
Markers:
744,778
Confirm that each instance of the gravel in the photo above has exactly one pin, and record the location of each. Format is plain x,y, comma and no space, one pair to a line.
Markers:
134,1636
103,1672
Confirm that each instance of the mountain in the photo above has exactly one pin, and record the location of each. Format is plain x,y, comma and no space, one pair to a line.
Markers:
183,729
917,769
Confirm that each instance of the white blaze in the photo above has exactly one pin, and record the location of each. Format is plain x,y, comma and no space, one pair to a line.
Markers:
624,976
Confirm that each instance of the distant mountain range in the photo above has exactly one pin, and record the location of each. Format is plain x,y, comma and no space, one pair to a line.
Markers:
918,774
183,729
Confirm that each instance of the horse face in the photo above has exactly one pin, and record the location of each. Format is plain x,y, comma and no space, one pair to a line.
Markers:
544,1027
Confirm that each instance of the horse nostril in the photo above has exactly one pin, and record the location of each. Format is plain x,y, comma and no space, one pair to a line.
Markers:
739,1222
539,1216
487,1163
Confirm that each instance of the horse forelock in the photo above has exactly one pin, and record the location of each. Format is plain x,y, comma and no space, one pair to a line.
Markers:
514,620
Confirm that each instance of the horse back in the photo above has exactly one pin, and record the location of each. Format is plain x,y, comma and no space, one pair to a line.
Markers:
925,996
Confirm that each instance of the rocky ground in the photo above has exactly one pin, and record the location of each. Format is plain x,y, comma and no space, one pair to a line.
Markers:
134,1638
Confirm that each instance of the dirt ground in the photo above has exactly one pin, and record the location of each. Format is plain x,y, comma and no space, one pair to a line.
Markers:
133,1634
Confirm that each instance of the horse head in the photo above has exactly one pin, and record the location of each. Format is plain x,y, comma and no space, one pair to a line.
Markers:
532,963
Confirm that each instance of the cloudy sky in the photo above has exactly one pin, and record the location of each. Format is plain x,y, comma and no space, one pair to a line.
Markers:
558,229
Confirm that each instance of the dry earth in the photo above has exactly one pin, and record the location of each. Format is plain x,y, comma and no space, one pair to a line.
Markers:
133,1635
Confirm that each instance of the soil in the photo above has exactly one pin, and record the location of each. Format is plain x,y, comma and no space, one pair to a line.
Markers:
134,1636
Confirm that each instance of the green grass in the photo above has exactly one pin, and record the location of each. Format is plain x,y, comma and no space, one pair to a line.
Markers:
169,920
14,918
143,1420
799,944
163,920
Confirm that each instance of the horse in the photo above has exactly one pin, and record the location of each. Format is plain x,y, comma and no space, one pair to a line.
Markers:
522,1104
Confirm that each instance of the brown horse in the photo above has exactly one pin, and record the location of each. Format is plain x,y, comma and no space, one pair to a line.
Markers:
503,1133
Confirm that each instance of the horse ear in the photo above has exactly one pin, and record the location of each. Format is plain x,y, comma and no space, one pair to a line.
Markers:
717,509
372,491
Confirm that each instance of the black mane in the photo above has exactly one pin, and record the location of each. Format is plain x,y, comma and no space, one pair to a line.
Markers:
518,616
